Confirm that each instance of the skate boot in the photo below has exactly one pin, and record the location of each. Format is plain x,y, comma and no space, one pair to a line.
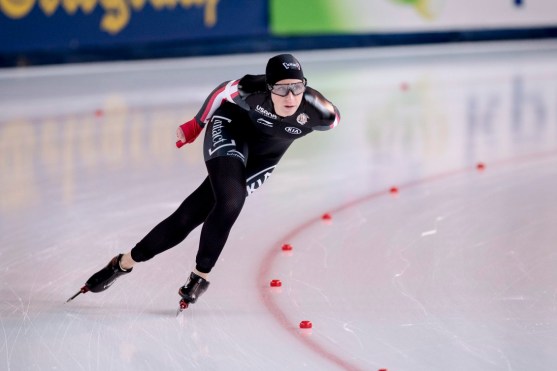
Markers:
192,290
104,278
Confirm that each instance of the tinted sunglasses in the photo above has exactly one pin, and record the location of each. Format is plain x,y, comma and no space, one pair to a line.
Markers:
296,88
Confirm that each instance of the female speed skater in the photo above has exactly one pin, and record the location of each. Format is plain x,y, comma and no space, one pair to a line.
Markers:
250,124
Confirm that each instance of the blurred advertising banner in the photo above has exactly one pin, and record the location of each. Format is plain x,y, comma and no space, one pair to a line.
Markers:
317,17
70,24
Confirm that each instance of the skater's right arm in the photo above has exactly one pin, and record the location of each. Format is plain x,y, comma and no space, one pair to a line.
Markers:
225,92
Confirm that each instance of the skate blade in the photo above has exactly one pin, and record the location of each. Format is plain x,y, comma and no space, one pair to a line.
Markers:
183,305
83,290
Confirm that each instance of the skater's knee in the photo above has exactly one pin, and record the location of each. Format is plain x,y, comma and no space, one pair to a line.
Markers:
231,207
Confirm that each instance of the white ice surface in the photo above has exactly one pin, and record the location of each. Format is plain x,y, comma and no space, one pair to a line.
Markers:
456,271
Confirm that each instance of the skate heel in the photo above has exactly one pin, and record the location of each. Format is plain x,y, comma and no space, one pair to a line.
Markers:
192,290
104,278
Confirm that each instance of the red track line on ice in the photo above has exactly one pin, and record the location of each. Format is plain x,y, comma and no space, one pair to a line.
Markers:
275,251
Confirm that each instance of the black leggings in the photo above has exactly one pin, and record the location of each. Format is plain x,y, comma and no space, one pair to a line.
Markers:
216,203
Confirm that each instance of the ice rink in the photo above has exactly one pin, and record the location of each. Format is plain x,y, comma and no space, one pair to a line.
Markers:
456,271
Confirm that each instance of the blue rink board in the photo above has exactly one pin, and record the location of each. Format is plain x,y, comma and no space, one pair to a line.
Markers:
74,24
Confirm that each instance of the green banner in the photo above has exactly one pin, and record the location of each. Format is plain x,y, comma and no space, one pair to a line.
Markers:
307,17
325,17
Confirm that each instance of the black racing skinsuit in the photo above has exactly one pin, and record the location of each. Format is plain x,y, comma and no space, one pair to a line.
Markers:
244,141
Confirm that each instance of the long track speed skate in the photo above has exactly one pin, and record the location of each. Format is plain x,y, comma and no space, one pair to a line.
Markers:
104,278
191,291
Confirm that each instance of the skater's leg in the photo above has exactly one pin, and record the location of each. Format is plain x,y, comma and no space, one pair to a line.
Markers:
228,181
167,234
174,229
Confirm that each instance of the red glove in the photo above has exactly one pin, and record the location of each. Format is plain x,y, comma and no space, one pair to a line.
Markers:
188,132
